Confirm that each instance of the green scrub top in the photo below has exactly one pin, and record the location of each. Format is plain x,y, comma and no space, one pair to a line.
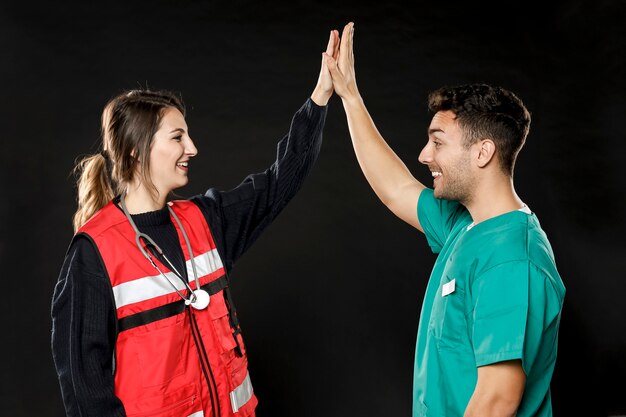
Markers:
494,294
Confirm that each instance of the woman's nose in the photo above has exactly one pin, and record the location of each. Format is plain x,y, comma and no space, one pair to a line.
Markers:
190,148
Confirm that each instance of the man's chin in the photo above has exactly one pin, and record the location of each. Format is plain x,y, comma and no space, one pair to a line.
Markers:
440,194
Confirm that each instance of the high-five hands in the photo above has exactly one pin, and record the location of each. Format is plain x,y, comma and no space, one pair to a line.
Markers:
324,88
342,67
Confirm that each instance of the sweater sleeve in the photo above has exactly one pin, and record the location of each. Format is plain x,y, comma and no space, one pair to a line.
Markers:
83,334
238,216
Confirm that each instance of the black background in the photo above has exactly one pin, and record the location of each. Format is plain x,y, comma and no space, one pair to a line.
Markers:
329,297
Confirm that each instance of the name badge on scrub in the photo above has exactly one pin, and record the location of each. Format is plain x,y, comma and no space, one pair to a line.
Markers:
448,288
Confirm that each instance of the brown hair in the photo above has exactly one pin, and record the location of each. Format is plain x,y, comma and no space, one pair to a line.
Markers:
485,111
129,122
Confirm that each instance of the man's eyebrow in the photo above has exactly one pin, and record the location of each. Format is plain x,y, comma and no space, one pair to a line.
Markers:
434,130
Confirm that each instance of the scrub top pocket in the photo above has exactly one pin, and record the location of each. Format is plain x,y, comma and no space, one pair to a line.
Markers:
447,321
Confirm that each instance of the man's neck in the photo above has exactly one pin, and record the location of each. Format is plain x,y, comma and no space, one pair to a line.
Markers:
493,198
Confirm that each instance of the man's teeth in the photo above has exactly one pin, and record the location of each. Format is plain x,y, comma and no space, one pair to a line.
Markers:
436,174
182,164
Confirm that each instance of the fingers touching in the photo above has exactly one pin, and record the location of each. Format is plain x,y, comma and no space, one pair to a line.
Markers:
338,60
336,45
325,86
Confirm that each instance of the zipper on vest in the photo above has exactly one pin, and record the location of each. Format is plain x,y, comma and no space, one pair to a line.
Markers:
204,363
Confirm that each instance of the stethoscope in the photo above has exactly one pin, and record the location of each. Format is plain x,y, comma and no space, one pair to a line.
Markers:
198,298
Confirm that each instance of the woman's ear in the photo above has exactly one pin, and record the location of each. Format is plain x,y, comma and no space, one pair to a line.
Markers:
486,152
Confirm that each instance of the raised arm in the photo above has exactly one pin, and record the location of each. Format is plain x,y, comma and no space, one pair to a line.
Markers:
238,216
388,176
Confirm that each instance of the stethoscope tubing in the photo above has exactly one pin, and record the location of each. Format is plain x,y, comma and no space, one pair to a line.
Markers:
193,298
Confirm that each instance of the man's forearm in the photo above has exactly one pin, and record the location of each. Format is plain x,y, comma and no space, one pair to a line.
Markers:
383,169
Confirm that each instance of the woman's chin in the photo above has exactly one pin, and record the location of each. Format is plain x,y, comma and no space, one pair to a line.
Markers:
181,184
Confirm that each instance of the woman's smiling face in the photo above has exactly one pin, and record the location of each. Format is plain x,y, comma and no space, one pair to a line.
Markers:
170,152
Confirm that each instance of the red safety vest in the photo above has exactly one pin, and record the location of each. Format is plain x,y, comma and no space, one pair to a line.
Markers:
172,360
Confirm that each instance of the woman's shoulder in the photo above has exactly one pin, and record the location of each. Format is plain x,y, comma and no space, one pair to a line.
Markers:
83,254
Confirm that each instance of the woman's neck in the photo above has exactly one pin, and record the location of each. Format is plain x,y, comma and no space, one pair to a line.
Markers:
139,199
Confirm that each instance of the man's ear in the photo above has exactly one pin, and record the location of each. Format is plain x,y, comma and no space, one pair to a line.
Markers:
486,152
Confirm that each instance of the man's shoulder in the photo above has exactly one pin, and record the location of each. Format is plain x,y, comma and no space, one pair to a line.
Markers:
516,238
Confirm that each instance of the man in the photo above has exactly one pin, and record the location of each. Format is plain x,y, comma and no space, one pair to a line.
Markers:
487,338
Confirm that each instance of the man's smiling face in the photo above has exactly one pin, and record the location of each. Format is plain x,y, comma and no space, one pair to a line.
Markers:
448,159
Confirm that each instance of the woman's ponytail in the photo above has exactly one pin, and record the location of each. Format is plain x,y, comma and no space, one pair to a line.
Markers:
94,187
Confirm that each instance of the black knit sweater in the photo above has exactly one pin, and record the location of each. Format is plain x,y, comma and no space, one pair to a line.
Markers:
83,311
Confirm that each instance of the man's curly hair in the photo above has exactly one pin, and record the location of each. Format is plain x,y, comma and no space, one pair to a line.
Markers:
486,112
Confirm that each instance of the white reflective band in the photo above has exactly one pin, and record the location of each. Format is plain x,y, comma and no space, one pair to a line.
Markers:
154,286
205,264
197,414
241,394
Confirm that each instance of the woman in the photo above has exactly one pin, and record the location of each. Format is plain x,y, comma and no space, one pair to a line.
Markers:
143,322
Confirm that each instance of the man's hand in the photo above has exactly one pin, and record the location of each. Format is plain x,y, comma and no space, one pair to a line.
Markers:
324,88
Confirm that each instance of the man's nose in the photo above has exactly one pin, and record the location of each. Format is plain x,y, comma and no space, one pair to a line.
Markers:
425,156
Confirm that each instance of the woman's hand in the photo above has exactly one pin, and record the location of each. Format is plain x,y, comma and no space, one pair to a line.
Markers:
342,68
324,88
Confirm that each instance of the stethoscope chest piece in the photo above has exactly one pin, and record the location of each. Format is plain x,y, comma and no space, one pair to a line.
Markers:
201,301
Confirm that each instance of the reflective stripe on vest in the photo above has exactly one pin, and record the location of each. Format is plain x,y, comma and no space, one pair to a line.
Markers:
142,289
240,395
